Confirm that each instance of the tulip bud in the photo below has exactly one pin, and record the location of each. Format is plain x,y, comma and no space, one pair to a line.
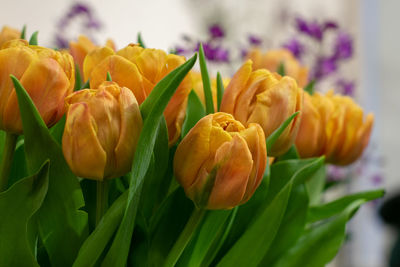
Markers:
220,163
140,69
8,34
101,131
272,59
47,75
267,99
82,47
334,126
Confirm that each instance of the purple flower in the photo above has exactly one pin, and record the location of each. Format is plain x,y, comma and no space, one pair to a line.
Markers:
254,40
330,25
377,179
315,30
214,53
295,47
346,87
61,42
324,67
179,50
343,46
302,25
216,31
221,54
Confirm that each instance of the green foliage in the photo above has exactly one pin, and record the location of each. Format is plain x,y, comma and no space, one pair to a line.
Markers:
278,132
206,81
34,38
281,69
140,40
220,90
194,112
310,87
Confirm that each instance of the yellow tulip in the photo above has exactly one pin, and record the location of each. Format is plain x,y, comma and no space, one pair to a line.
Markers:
267,99
82,47
140,70
47,75
273,58
197,85
220,163
101,131
334,126
8,34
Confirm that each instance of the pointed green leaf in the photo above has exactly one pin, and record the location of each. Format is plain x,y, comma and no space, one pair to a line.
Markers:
118,253
78,78
310,87
62,226
140,40
281,69
315,186
206,81
277,133
34,38
86,85
220,90
194,112
23,32
17,206
109,79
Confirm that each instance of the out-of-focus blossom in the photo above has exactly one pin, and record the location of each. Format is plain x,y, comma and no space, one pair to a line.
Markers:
343,46
330,25
82,47
140,69
214,52
267,99
272,59
8,34
220,163
345,132
324,67
254,40
197,85
101,131
216,31
47,75
295,46
345,87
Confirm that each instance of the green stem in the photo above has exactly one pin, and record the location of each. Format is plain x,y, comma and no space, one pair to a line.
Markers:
6,161
102,199
184,237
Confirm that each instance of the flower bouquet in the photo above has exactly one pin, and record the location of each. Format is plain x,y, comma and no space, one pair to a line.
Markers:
111,159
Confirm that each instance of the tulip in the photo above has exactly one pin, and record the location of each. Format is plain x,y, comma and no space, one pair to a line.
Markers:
220,163
140,70
82,47
197,85
47,75
101,131
8,34
272,59
267,99
334,126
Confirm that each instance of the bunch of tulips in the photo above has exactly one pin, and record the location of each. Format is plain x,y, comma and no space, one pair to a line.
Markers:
131,158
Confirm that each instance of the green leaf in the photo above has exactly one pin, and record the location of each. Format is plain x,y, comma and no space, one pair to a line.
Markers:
315,186
206,82
310,87
62,226
57,130
18,168
319,245
109,79
97,241
34,38
118,253
17,206
330,209
277,133
220,90
86,85
140,40
23,32
78,78
194,112
281,69
290,154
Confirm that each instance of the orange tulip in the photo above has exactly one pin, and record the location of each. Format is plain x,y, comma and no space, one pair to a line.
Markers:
8,34
47,75
267,99
82,47
140,70
273,58
334,126
220,163
101,131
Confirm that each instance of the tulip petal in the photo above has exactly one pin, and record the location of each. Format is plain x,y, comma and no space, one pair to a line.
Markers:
93,59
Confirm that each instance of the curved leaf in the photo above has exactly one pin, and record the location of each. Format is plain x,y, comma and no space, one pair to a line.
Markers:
194,112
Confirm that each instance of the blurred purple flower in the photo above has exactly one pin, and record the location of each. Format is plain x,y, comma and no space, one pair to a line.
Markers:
179,50
254,40
336,174
346,87
214,53
216,31
221,55
343,46
77,9
377,179
315,30
324,67
302,26
295,47
330,25
61,42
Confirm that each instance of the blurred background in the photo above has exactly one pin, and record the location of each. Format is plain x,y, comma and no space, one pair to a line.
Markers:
370,72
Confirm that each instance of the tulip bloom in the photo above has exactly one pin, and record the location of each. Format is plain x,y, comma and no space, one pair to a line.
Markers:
140,70
267,99
273,58
334,126
82,47
8,34
101,131
47,75
220,163
197,85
